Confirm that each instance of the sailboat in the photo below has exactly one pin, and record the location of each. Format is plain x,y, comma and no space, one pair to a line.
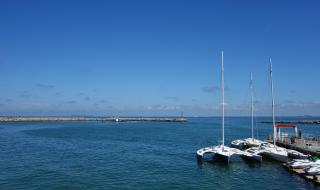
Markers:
248,142
219,152
272,150
260,147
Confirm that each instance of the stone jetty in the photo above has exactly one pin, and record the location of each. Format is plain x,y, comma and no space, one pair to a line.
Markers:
295,122
86,119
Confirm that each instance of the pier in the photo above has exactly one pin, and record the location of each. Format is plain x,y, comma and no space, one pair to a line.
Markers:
309,145
86,119
305,145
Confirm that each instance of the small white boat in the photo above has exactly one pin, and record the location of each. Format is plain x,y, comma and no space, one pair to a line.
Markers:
298,160
313,170
301,164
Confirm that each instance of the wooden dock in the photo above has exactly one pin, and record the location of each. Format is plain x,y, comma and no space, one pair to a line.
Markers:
313,178
87,119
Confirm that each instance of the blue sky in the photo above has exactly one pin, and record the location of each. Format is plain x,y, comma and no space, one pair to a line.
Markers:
157,58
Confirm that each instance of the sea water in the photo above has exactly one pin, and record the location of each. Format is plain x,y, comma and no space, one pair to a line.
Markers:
135,155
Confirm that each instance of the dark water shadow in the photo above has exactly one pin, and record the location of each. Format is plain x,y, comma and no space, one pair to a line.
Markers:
252,163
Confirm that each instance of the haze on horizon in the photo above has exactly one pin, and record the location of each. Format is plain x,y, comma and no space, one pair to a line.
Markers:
157,58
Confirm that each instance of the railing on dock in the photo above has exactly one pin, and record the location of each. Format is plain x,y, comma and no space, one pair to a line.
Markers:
306,145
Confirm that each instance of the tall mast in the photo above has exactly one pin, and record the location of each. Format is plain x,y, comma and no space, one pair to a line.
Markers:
251,89
222,94
272,93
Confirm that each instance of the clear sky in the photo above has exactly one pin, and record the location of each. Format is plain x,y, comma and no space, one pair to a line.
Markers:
157,58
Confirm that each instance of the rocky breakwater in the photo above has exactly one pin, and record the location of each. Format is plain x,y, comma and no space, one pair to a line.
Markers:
83,119
295,122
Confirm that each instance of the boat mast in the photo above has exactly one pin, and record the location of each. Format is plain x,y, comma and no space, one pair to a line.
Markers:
251,89
272,93
222,94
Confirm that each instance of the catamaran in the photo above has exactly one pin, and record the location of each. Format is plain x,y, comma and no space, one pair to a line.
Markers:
219,152
272,150
222,152
264,148
248,142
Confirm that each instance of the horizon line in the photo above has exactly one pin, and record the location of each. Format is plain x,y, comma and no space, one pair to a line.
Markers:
187,116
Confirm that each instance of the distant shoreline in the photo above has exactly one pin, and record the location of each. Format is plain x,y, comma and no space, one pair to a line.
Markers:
83,119
295,122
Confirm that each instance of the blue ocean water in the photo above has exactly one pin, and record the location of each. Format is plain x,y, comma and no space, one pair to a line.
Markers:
134,155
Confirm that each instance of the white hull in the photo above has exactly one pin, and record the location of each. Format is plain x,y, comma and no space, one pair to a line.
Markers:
296,155
252,154
239,144
246,143
215,153
225,154
276,156
274,152
269,151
